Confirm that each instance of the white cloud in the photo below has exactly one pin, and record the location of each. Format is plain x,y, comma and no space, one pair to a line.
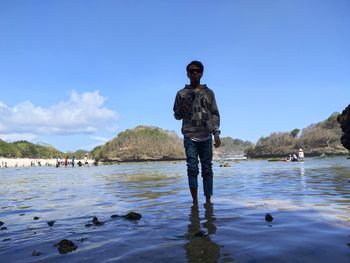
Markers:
82,113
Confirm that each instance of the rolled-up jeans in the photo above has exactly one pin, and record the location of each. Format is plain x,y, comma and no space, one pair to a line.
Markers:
203,150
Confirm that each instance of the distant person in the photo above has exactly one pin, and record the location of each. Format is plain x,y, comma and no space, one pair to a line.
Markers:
294,158
86,159
95,161
73,161
195,105
301,155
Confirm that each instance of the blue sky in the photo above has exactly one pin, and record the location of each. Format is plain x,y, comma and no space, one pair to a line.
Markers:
76,73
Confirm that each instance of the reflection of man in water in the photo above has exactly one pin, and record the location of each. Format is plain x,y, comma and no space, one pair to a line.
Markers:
200,247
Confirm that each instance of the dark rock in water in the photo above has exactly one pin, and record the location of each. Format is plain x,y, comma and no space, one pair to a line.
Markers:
65,246
83,239
3,228
115,216
88,225
132,216
6,239
1,223
36,217
51,223
268,218
96,222
21,214
36,253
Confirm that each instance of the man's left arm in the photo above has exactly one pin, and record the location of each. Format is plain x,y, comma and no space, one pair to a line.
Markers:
215,121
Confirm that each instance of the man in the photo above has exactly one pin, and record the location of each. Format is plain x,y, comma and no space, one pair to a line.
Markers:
196,106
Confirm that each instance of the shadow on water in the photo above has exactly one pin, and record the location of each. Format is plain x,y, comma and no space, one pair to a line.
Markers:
200,246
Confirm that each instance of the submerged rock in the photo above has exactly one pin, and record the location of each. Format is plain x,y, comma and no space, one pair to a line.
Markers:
115,216
268,218
36,218
51,223
132,216
96,222
65,246
3,228
36,253
1,223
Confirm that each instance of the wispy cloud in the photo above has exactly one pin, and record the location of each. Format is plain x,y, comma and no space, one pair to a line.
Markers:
81,113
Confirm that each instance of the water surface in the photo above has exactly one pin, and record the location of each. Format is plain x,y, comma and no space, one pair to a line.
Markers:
310,203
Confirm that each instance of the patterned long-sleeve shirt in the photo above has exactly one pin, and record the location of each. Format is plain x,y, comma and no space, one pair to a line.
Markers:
198,111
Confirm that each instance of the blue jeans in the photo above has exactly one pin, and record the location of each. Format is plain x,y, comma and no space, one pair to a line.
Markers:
203,150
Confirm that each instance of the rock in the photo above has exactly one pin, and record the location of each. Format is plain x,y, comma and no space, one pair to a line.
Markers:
65,246
21,214
83,239
132,216
51,223
6,239
36,218
268,218
36,253
88,225
1,223
3,228
96,222
115,216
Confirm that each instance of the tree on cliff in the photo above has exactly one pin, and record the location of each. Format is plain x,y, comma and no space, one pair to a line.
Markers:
322,137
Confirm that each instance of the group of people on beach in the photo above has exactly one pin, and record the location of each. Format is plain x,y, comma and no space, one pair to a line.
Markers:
66,161
296,158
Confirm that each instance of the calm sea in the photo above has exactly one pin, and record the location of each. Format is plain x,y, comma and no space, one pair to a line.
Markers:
310,204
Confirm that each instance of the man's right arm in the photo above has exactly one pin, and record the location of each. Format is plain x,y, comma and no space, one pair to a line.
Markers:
178,114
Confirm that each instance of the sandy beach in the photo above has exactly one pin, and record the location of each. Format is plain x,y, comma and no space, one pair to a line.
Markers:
30,162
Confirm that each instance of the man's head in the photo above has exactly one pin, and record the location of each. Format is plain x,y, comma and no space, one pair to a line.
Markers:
195,71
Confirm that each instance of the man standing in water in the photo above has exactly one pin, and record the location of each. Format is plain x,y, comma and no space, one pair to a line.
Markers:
196,106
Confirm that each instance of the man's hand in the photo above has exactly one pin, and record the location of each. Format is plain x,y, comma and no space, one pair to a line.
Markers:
217,142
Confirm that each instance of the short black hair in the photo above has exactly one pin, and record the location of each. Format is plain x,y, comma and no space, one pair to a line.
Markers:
196,63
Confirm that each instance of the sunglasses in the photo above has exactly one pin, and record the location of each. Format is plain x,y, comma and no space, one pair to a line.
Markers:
192,71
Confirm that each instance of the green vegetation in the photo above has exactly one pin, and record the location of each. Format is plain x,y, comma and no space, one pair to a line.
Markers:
24,149
232,148
153,143
142,143
316,139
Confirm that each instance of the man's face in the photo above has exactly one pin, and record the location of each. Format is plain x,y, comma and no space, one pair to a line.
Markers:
194,73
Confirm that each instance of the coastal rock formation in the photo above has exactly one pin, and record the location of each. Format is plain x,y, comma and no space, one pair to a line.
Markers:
344,121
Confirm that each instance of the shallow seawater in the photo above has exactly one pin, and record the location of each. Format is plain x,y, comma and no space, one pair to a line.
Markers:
310,203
